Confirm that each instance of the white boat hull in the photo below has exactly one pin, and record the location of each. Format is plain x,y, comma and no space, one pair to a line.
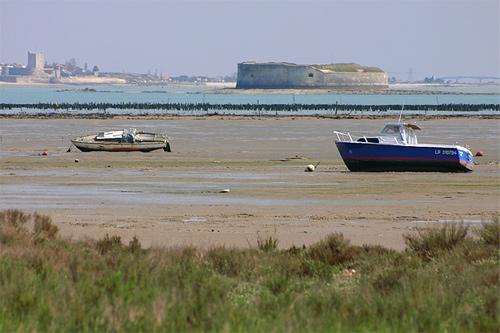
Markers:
148,142
115,147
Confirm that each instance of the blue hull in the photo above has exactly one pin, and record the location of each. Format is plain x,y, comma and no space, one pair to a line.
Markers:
365,156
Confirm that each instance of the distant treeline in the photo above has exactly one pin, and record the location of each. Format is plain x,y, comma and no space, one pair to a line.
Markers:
186,107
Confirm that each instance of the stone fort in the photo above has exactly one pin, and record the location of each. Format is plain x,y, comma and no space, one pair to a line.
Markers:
283,75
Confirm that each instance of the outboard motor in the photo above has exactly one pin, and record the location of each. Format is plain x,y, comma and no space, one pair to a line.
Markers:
129,135
167,147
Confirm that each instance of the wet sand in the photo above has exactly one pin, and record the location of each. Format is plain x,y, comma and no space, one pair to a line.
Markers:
171,199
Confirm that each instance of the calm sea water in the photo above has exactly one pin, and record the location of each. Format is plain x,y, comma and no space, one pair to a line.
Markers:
194,94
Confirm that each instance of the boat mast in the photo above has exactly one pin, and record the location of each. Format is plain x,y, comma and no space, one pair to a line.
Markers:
400,113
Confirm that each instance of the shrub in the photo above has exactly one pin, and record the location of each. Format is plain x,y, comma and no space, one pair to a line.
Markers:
333,250
489,233
431,242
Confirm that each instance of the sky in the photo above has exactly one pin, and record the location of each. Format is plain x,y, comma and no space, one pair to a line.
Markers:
174,37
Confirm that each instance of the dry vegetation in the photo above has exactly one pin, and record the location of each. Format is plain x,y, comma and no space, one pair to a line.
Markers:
446,280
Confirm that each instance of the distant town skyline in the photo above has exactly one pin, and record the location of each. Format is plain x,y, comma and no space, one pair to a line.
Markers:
406,37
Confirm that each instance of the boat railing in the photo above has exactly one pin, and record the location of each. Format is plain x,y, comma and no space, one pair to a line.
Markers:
343,136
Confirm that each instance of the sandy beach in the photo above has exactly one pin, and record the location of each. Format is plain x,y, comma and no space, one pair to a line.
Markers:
171,199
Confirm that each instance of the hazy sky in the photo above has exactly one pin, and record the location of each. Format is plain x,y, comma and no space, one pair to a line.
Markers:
440,37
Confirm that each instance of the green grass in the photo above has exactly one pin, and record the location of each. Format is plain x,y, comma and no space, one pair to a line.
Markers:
446,280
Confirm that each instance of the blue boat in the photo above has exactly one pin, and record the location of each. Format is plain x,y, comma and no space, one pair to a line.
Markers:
396,148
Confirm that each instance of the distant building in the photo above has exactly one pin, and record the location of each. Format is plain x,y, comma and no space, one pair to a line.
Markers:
33,72
283,75
36,71
36,62
18,71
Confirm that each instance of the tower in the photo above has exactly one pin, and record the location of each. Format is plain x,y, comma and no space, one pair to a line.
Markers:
410,75
36,62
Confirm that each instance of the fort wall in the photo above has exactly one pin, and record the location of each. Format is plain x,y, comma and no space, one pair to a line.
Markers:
286,75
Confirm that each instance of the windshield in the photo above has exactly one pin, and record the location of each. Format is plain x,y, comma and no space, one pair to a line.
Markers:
391,129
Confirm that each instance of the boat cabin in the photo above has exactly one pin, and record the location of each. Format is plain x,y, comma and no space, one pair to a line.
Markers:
126,135
109,136
395,133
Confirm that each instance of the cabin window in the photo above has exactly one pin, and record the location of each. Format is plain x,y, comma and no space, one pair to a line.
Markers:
372,140
311,74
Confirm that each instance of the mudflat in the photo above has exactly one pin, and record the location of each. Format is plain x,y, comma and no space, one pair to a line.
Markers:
178,198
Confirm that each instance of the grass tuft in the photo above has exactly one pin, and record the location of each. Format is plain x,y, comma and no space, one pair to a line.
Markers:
489,232
13,230
14,217
268,244
107,244
134,245
44,228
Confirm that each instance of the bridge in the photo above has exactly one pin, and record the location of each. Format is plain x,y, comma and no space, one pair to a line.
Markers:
455,78
470,77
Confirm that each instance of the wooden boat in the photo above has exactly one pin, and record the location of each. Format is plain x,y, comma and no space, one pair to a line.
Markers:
396,148
124,140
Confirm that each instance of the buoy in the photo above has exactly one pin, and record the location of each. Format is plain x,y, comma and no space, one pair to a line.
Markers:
310,168
479,153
